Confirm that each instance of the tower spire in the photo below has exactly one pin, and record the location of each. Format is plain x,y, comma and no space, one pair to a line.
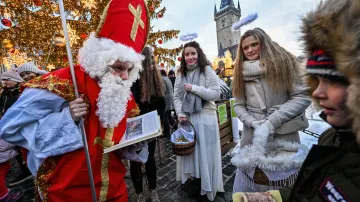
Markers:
215,10
225,3
239,4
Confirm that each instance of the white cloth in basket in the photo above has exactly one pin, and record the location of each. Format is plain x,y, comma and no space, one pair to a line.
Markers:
186,132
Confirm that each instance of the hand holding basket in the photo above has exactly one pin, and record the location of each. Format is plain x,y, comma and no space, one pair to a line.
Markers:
182,143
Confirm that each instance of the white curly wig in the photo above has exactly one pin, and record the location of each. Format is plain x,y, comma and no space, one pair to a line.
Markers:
95,57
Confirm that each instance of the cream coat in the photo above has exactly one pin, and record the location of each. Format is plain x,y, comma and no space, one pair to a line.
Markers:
287,104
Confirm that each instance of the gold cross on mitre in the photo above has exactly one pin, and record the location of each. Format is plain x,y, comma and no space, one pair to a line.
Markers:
137,20
105,143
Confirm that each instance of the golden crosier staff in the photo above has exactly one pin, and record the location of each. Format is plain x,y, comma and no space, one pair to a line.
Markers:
73,77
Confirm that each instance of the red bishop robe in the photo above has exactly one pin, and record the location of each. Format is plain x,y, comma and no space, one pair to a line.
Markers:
65,177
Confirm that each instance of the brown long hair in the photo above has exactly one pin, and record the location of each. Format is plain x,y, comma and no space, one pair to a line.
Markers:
150,79
282,67
202,60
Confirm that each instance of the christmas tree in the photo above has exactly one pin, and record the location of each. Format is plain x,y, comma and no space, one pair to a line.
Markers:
32,28
159,37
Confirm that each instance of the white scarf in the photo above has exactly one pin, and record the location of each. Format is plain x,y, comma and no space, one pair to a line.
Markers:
253,70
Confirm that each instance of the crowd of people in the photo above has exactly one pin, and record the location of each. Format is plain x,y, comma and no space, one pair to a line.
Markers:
118,78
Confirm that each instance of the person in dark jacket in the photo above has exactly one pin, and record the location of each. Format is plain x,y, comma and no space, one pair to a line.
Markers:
332,168
148,92
11,92
169,103
332,40
172,77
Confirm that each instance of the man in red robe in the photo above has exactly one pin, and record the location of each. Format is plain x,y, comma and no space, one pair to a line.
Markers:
44,120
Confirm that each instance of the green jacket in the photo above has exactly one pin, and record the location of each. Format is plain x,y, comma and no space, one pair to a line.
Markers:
331,171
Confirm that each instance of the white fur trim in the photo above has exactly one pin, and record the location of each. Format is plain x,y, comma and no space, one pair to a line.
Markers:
270,155
273,160
98,53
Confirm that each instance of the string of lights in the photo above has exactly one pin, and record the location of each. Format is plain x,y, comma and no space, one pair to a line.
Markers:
33,27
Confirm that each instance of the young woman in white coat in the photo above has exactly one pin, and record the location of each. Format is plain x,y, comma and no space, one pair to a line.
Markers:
196,89
268,92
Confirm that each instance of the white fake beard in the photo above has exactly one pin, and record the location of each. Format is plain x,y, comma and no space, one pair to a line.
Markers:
112,100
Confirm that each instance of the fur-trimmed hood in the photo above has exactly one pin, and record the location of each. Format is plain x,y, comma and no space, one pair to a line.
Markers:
335,27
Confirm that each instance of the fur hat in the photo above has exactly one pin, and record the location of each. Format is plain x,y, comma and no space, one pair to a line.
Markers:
334,27
11,75
31,67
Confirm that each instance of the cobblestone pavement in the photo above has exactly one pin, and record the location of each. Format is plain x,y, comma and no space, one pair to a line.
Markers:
27,187
168,188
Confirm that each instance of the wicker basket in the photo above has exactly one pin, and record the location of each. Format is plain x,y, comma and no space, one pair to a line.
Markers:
261,178
185,149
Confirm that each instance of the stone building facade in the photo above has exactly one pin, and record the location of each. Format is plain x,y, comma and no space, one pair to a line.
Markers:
224,18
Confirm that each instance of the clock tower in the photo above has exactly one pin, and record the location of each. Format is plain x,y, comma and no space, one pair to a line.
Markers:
224,18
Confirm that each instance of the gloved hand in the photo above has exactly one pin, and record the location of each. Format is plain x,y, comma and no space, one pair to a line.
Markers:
255,124
266,127
137,152
261,135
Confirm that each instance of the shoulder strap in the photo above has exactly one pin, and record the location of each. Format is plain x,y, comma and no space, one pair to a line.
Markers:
257,96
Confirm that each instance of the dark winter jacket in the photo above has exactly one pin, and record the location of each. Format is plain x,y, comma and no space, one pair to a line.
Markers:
172,79
7,98
330,171
156,103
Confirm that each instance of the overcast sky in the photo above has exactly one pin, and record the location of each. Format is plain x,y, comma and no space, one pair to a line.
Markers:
279,18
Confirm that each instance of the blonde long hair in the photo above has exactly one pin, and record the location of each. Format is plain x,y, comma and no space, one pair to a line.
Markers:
281,67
